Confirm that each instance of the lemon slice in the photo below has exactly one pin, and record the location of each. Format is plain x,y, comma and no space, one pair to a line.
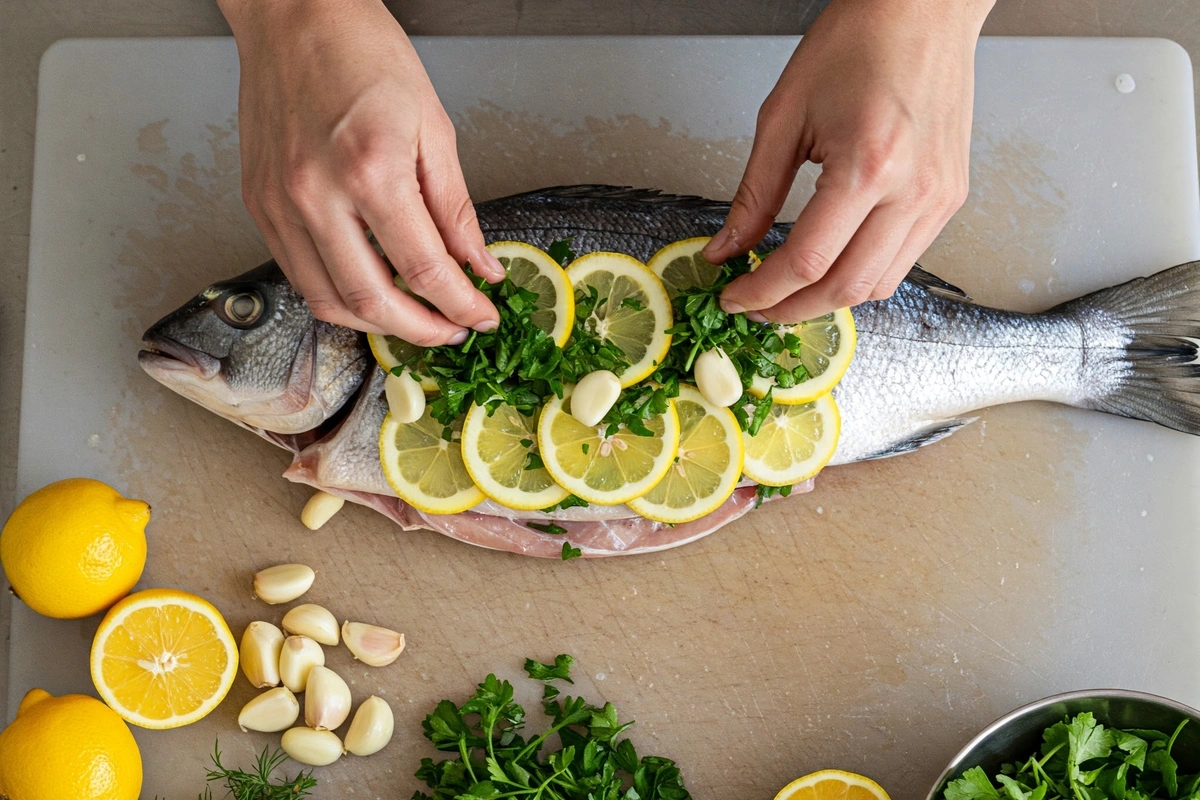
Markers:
832,784
605,470
827,347
794,442
529,268
679,265
707,467
496,450
163,658
534,270
424,469
634,311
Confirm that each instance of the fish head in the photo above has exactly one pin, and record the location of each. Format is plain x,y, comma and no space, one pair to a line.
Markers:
250,350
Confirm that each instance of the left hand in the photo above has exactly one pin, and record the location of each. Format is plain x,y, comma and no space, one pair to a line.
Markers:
879,93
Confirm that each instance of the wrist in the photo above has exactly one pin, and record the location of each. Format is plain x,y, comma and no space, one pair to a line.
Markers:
245,15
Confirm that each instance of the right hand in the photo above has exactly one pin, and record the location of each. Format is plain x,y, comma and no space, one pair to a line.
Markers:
341,131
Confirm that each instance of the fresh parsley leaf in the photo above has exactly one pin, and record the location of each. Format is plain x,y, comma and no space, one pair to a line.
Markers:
763,492
585,447
569,552
547,527
561,251
570,501
560,670
973,785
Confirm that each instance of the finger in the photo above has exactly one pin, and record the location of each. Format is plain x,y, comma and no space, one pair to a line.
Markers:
917,242
398,218
775,158
365,286
860,268
825,226
445,191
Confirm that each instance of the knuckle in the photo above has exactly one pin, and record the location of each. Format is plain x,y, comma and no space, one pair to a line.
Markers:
463,215
809,266
299,182
325,310
425,275
882,292
878,163
367,303
854,292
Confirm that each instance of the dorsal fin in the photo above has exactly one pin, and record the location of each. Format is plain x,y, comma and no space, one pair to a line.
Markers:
934,285
628,194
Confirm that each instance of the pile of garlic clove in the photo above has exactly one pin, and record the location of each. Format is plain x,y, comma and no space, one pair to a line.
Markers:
295,658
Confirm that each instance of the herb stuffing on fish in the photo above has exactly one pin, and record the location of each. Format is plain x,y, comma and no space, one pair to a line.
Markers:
926,359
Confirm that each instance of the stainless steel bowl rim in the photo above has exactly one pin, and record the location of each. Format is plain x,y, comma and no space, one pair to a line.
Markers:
1037,705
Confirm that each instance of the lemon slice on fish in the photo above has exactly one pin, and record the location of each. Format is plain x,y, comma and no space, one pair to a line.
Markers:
826,350
679,265
497,450
633,311
707,467
605,470
529,268
794,443
424,467
533,269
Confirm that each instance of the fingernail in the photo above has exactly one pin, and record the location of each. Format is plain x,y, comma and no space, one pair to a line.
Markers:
458,338
730,307
487,326
754,316
718,242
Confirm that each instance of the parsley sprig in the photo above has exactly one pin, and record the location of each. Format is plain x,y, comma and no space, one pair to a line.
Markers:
494,760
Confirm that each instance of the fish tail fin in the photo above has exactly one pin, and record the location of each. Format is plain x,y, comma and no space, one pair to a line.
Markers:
1141,341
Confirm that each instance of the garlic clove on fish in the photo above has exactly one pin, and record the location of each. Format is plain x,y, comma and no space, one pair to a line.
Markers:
313,621
299,655
371,644
319,509
314,748
594,395
283,583
717,378
273,710
405,397
371,728
326,699
259,653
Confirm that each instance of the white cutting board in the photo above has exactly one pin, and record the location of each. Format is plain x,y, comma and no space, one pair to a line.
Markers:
1043,549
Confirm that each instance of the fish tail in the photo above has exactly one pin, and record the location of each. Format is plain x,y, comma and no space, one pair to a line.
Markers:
1140,345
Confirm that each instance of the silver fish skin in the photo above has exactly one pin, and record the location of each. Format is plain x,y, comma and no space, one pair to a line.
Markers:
249,350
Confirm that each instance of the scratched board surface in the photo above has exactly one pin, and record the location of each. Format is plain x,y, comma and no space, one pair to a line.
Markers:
871,625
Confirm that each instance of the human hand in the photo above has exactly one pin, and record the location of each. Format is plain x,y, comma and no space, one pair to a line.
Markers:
342,131
879,93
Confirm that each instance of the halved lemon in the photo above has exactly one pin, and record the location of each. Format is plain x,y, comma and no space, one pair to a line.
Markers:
633,312
529,268
496,450
826,350
794,442
605,470
832,784
533,269
163,658
425,468
706,468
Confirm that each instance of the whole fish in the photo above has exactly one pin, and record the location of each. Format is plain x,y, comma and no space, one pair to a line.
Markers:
927,358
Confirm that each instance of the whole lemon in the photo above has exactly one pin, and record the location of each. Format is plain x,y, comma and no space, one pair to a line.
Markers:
71,746
75,547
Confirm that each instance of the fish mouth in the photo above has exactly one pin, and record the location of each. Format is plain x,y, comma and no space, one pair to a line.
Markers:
167,355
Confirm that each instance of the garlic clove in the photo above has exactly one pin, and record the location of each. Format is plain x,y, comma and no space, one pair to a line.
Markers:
274,710
371,728
594,395
326,699
314,748
405,397
717,378
371,644
313,621
299,655
283,583
259,654
319,509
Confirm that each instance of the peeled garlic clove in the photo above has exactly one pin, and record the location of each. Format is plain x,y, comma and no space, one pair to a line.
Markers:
371,644
313,621
283,583
371,728
319,509
405,397
717,378
299,655
259,654
314,748
326,699
594,395
274,710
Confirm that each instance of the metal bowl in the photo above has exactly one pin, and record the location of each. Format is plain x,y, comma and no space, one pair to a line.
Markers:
1018,734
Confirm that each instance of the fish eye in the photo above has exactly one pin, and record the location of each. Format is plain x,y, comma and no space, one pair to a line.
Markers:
240,309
